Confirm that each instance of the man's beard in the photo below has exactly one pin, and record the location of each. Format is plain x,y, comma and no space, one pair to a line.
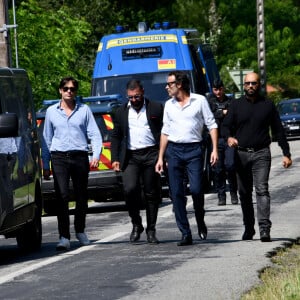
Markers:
137,105
251,93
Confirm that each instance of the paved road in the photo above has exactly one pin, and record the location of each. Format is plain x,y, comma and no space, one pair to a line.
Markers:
222,267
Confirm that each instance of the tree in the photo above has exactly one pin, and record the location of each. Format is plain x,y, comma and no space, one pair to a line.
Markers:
50,43
60,36
238,40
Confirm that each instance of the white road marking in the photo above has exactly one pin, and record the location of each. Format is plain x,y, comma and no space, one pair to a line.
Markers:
51,260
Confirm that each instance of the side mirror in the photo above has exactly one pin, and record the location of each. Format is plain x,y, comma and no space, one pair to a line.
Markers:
8,125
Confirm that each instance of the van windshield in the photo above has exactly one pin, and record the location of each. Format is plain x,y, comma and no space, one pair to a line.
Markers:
154,85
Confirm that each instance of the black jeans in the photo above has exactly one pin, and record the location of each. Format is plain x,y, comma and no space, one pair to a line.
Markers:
253,168
74,165
140,175
225,167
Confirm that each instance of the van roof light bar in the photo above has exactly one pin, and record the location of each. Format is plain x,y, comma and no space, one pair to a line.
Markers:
142,27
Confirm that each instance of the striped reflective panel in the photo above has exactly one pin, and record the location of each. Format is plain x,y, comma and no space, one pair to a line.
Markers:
38,123
108,121
105,158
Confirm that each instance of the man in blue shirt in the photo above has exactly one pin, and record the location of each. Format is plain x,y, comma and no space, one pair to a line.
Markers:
68,127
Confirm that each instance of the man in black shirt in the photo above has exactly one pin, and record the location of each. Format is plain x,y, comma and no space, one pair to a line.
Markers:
224,168
246,127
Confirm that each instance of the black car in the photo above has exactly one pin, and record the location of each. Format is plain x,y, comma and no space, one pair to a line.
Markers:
104,184
20,182
289,111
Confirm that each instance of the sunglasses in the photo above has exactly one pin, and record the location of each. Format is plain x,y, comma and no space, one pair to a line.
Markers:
66,88
136,97
254,83
170,83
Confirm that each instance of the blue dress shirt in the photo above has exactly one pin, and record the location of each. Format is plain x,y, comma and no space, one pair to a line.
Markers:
69,133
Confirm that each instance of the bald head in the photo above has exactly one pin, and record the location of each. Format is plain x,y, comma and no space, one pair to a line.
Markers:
251,85
252,77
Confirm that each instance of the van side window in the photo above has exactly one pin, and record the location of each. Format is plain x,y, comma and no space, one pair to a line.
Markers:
200,84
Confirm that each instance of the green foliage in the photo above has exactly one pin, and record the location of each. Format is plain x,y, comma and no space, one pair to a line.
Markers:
49,47
192,14
60,37
237,45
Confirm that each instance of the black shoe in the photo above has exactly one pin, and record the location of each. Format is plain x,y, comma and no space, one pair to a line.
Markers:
265,236
185,240
151,238
136,233
222,199
248,235
234,198
202,231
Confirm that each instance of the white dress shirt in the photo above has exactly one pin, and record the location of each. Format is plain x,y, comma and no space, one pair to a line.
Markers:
184,124
139,132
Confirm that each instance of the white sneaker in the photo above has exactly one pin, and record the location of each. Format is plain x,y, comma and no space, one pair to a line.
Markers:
64,244
82,238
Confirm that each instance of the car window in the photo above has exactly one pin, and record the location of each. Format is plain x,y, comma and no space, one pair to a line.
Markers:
289,108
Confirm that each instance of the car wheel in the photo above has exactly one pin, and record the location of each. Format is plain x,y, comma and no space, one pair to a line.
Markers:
29,238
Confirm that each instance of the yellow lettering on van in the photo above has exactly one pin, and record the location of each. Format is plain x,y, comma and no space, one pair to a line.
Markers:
134,40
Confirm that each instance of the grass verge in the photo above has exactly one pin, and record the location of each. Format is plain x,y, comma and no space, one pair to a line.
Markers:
282,280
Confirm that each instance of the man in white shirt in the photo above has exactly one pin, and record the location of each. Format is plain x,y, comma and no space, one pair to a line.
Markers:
134,150
185,115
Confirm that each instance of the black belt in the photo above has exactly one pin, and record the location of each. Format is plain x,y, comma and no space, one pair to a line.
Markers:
250,150
71,153
143,150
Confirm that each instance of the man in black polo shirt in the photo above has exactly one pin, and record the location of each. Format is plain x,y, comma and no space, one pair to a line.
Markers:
246,127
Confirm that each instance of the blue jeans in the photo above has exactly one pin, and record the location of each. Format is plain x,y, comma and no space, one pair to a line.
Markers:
254,169
181,158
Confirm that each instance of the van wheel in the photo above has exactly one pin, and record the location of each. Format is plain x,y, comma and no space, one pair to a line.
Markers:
29,238
50,208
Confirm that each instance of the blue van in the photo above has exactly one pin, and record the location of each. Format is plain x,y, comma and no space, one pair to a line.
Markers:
149,54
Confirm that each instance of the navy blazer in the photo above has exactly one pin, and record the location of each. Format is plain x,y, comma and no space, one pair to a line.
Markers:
119,136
